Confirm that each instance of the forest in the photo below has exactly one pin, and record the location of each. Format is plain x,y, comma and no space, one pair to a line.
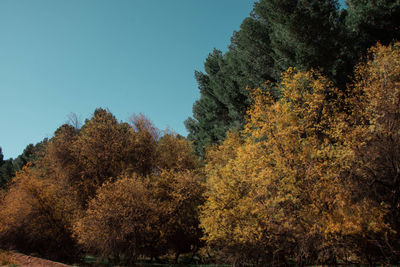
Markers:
292,156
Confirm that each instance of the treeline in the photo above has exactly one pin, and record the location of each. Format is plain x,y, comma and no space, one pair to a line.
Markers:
313,178
119,190
293,155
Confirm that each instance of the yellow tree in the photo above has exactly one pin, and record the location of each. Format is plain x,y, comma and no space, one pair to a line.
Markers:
372,131
280,195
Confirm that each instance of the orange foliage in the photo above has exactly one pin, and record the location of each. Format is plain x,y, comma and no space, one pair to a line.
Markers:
37,215
179,195
175,153
121,221
126,191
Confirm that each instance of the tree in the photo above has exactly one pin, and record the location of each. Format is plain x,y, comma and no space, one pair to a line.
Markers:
370,21
144,144
101,149
277,35
305,34
121,221
179,194
212,114
280,194
59,157
36,215
174,152
30,154
6,170
373,127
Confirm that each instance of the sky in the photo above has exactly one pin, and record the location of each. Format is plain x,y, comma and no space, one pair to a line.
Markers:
129,56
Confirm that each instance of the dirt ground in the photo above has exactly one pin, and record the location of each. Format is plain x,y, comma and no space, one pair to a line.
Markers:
22,260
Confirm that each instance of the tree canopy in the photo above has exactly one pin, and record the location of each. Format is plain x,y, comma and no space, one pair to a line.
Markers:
306,34
312,177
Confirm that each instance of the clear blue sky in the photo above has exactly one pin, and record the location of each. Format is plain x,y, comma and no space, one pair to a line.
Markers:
130,56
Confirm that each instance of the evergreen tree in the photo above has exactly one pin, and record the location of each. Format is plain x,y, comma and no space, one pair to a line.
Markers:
224,98
31,154
306,34
370,21
1,157
212,114
6,169
277,35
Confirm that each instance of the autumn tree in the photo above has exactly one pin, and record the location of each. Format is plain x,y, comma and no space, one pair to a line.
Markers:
103,149
166,196
59,157
144,144
174,152
280,195
178,188
179,194
121,221
36,215
372,135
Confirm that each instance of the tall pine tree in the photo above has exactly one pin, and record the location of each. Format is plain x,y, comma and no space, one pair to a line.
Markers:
278,34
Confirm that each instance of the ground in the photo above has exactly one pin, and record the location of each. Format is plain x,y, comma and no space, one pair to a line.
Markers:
22,260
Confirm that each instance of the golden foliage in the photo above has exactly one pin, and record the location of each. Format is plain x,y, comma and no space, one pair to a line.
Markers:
102,149
372,139
283,192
